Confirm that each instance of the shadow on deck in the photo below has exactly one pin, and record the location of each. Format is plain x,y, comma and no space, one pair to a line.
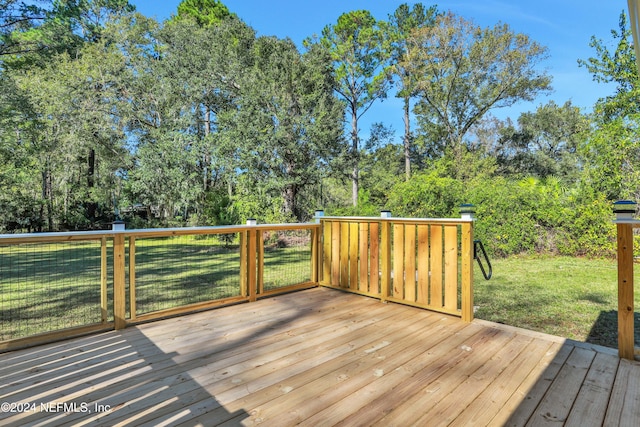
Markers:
320,357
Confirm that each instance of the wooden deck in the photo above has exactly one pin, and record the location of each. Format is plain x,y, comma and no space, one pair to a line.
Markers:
317,358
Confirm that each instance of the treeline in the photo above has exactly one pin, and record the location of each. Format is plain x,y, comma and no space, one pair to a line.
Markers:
106,113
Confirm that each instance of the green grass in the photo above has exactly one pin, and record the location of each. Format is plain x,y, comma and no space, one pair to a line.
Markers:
575,298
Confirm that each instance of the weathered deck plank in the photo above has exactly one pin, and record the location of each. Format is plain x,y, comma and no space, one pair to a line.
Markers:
319,357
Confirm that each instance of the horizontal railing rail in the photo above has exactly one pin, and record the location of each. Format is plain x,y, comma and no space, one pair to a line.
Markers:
60,285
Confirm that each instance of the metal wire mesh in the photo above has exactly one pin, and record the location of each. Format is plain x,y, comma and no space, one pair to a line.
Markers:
48,286
181,270
287,258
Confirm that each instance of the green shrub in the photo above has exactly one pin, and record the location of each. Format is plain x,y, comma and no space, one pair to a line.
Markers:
426,195
513,216
589,225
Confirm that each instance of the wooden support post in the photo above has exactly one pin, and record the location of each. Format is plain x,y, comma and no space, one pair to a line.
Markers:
467,272
251,265
385,256
244,288
326,252
103,279
259,262
625,291
316,254
624,211
119,294
132,277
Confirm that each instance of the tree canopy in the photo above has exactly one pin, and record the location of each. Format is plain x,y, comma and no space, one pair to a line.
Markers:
197,120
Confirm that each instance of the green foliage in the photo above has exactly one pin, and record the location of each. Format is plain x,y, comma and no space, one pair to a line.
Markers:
544,144
275,132
613,151
588,225
205,12
356,45
217,210
197,121
364,207
426,195
618,67
517,216
401,24
463,71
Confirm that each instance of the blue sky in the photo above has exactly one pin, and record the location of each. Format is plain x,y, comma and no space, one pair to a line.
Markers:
564,26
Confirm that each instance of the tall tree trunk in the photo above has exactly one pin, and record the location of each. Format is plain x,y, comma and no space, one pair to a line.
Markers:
206,161
92,206
407,140
355,174
289,195
47,196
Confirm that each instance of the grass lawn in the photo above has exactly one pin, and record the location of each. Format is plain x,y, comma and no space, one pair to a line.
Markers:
570,297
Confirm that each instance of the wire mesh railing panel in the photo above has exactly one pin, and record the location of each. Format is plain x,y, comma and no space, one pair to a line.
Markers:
287,258
176,271
46,287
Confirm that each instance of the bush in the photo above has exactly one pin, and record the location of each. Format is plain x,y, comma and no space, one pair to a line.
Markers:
589,227
365,207
426,195
513,216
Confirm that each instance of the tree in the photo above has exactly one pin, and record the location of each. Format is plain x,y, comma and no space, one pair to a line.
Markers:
613,156
74,117
618,67
205,12
192,79
287,124
356,43
463,71
545,143
612,150
18,17
403,21
34,32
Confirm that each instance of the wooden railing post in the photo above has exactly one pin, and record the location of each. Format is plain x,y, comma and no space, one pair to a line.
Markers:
103,280
119,294
327,241
259,238
624,223
244,287
251,254
467,213
132,277
385,256
316,249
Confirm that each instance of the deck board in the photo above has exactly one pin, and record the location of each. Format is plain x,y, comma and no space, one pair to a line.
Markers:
319,357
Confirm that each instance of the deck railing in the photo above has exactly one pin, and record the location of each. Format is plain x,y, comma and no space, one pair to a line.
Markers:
59,285
421,262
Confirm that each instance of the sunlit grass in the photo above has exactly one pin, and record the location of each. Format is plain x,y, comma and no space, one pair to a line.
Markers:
574,298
